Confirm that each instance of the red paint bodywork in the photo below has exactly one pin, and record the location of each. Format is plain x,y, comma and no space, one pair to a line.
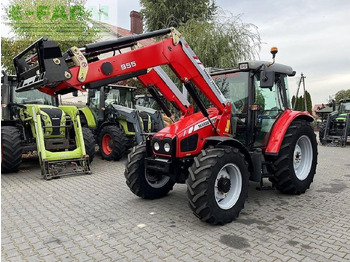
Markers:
182,129
280,127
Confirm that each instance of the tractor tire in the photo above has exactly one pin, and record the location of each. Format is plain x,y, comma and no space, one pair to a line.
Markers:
112,143
89,141
295,166
11,149
321,133
217,185
141,183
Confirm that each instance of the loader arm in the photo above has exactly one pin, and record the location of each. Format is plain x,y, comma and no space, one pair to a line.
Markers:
173,51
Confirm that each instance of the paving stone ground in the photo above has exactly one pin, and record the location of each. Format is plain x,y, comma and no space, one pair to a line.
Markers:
97,218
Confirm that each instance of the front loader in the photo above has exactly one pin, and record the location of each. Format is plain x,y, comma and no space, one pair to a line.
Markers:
245,132
117,125
33,121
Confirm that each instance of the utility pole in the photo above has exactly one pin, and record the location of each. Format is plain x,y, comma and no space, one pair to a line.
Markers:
302,80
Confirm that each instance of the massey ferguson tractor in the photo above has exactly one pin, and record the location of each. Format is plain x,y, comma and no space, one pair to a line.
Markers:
241,127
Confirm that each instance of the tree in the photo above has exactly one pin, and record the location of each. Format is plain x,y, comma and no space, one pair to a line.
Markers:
220,39
166,13
342,94
308,102
300,103
221,42
66,22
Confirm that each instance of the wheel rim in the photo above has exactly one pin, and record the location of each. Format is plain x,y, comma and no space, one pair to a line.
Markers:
156,180
107,144
228,186
302,158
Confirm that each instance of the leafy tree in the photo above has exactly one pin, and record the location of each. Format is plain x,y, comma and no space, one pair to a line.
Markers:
221,42
342,94
166,13
220,39
68,23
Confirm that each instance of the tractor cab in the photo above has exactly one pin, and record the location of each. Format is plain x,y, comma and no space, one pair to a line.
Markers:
344,106
256,108
107,96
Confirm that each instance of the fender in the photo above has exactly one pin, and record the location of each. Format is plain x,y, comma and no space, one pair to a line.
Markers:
229,141
280,127
86,111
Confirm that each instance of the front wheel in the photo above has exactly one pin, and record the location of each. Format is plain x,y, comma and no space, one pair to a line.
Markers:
112,143
143,183
295,165
11,149
217,186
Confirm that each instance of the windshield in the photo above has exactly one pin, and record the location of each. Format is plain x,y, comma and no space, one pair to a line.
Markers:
234,87
33,97
121,97
344,107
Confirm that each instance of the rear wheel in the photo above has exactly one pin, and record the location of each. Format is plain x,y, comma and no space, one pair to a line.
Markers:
217,186
112,143
11,149
148,185
89,141
296,163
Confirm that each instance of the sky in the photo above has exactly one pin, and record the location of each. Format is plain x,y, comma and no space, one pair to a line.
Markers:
313,37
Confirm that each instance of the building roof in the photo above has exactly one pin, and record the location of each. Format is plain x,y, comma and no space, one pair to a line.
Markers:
122,32
325,110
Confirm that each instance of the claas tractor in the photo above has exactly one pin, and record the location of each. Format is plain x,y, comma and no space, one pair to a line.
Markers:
336,130
33,121
222,141
117,125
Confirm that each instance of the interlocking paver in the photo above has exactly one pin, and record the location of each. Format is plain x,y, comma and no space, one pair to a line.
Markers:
97,218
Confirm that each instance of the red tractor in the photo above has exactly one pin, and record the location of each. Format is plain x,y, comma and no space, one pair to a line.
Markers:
241,127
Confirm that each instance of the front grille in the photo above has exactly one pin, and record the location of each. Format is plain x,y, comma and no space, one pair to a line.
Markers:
189,143
130,126
55,115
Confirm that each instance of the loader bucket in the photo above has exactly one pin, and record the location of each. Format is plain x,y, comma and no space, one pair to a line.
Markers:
39,65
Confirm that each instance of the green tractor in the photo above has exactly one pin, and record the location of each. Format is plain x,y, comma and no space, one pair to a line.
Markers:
117,125
33,121
336,130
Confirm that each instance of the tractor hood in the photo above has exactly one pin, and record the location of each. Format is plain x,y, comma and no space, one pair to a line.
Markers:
52,118
188,135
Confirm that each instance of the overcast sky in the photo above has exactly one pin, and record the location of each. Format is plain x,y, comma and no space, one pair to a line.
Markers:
312,36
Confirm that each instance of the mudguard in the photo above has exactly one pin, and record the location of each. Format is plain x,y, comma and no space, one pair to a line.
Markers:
280,127
88,116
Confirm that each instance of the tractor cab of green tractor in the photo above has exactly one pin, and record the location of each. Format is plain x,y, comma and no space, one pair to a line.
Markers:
256,108
344,106
117,125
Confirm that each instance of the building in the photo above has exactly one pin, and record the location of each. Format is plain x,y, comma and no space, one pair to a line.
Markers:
112,32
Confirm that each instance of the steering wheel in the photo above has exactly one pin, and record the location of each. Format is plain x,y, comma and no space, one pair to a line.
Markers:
238,106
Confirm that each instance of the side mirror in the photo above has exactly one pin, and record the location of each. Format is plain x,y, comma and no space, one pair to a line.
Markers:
75,93
267,79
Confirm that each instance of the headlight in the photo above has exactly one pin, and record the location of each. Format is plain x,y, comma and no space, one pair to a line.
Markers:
167,147
44,117
156,146
47,123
